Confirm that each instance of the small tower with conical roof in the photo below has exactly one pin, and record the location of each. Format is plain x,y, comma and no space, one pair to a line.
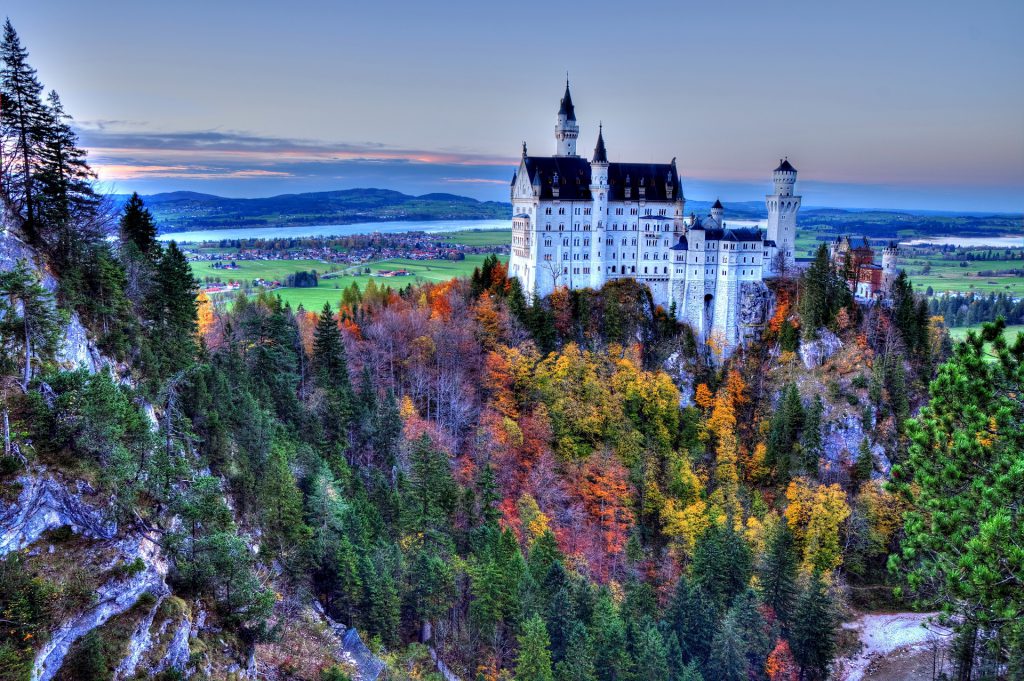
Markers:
717,211
782,206
566,129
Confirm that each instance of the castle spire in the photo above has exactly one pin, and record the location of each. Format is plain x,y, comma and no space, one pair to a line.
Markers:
600,153
566,109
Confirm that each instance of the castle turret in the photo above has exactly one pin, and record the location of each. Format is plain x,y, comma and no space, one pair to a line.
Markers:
782,206
599,193
717,212
889,266
566,129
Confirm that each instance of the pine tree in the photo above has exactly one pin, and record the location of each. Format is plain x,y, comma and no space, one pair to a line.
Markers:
67,218
728,654
963,485
171,316
650,658
864,465
777,571
534,660
814,290
431,489
29,315
609,639
721,563
812,634
22,121
281,505
138,229
810,441
578,663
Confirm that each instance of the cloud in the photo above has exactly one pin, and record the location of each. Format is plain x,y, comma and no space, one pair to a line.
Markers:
473,180
109,142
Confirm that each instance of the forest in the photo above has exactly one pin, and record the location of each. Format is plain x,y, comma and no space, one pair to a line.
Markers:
561,489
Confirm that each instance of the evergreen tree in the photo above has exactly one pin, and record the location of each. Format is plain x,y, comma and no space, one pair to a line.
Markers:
138,229
431,490
811,449
650,660
68,205
694,619
728,653
812,633
534,660
281,505
777,571
22,124
609,639
963,486
721,563
578,663
864,465
29,317
170,316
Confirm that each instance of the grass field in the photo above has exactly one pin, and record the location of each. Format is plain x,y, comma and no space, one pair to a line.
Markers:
959,333
947,275
329,289
478,237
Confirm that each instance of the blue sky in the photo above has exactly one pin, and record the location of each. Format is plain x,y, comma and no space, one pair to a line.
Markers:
879,104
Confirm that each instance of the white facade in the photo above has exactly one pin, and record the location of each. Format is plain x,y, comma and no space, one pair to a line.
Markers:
580,223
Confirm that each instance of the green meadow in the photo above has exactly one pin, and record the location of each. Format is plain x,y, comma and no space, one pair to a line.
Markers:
329,289
478,237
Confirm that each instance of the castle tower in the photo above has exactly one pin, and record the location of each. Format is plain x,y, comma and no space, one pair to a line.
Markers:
566,129
782,209
717,212
599,194
889,267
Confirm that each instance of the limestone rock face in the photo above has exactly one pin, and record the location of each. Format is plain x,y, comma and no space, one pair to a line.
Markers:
112,598
756,304
815,352
75,350
46,503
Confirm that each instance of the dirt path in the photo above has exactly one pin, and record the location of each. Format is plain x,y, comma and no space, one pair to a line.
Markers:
893,646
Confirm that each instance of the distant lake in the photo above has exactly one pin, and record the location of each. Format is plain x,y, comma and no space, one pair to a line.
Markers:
335,230
968,241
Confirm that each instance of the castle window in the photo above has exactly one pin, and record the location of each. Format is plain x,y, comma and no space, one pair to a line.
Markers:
645,270
634,269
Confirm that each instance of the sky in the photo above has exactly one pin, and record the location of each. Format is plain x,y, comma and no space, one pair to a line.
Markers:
893,104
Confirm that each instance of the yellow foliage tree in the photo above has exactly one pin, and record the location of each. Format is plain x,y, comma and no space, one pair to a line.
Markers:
204,310
815,514
722,425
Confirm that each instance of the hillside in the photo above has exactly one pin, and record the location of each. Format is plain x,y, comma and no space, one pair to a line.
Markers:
181,211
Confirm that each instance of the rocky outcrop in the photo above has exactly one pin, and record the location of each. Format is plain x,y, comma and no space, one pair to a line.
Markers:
74,350
353,652
112,598
816,352
46,503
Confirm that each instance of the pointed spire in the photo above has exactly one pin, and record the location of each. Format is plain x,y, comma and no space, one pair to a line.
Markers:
600,153
567,108
718,205
524,148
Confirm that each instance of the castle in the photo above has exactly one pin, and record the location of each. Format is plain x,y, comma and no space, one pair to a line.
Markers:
580,223
867,279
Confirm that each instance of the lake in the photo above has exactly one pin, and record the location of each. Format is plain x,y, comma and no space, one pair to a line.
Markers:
335,230
969,241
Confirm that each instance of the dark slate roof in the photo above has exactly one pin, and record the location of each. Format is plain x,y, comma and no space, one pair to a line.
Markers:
574,178
567,108
653,177
718,204
769,242
683,245
733,234
600,153
784,164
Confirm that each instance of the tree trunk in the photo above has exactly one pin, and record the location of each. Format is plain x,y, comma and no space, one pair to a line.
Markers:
28,348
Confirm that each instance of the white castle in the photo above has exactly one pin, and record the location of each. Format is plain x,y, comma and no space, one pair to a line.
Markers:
580,223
